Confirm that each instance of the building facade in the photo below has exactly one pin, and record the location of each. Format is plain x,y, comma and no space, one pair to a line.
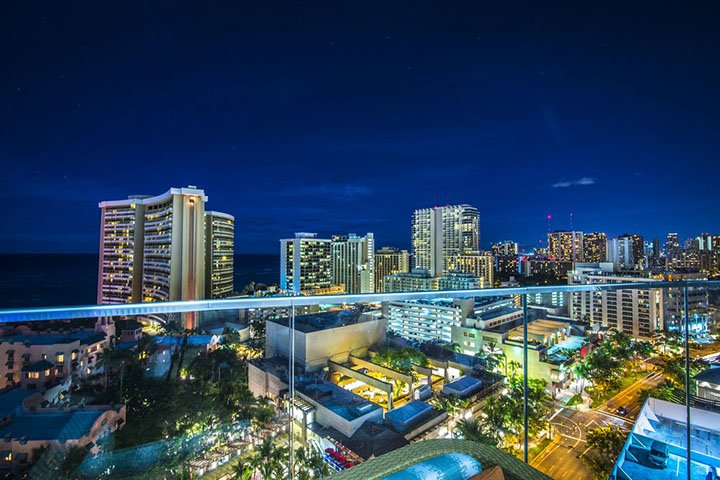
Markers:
637,312
506,258
565,245
594,247
38,360
439,233
219,254
459,281
353,262
416,281
388,261
479,264
152,249
426,320
306,264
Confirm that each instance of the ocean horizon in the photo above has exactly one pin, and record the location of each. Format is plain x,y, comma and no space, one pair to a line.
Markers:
46,280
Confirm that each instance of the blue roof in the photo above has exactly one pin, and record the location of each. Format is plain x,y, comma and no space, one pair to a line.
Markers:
408,416
464,385
12,399
51,426
125,345
192,340
451,466
53,338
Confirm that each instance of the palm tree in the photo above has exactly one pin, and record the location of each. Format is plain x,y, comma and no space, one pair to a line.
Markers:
242,471
453,406
471,429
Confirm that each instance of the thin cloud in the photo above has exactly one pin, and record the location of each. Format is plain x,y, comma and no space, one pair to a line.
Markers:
574,183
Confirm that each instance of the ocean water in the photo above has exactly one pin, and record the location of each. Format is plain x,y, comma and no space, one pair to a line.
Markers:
40,280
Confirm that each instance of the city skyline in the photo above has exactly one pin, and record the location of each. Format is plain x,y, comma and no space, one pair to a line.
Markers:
547,112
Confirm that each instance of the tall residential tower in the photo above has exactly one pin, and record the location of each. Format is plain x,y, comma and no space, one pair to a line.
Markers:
152,249
389,261
306,264
219,254
439,233
353,262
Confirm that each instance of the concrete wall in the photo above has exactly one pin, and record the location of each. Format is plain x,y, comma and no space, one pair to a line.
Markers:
263,384
314,349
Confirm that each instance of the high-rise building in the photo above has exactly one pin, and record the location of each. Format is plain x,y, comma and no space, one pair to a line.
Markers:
479,264
674,300
426,320
353,262
620,252
627,252
507,247
638,250
152,249
306,264
219,254
389,260
438,233
506,258
637,312
709,253
595,247
566,246
672,244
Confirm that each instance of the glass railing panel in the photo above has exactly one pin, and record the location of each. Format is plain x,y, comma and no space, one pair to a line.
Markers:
702,384
304,387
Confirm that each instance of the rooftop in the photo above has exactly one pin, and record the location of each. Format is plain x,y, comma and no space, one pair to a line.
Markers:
316,322
409,416
711,375
192,340
39,366
463,386
50,426
12,399
85,338
338,400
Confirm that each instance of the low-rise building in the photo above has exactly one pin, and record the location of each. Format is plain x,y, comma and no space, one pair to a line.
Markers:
416,281
459,281
325,336
28,431
38,358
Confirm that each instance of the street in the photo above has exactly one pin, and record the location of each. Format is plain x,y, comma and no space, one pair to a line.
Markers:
562,459
630,397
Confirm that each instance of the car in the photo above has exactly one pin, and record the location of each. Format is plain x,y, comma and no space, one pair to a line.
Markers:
659,454
713,473
622,411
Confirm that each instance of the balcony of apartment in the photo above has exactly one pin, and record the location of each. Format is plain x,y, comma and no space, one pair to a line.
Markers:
530,392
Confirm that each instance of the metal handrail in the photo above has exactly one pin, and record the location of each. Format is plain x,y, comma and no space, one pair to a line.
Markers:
91,311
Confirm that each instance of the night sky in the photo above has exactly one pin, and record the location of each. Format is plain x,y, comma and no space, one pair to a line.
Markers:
337,117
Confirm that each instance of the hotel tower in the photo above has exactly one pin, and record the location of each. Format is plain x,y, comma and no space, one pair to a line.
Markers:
153,249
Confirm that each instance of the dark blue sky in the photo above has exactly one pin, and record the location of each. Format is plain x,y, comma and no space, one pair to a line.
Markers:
345,116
